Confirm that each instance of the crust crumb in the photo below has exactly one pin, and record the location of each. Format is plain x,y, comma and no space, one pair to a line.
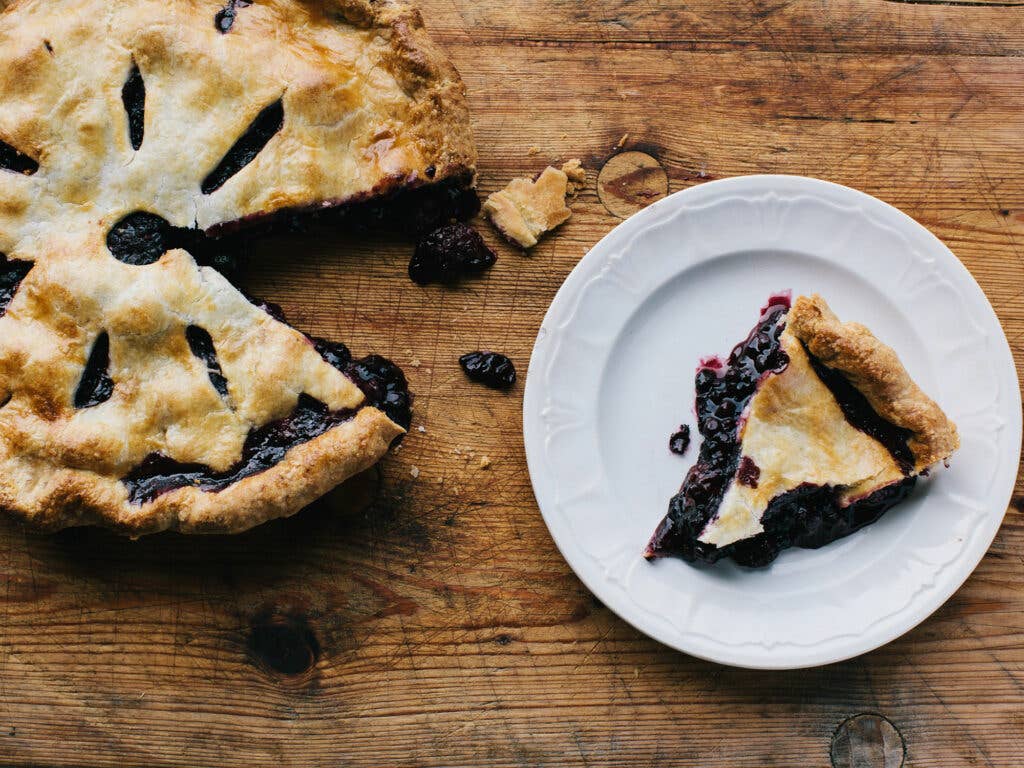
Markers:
485,462
622,141
576,175
524,210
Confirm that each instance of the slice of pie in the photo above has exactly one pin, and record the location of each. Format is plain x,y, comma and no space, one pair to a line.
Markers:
138,388
811,430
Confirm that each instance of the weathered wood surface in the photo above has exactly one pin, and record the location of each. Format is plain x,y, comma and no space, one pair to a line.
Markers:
430,621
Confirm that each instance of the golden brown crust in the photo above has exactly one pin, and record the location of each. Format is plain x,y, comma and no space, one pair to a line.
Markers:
370,106
72,497
876,371
524,210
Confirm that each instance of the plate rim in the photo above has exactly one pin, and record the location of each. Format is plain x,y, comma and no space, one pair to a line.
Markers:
635,224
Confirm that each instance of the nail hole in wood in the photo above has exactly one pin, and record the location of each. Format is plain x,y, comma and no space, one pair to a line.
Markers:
867,741
630,181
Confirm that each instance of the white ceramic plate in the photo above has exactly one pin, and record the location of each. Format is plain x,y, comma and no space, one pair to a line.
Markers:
611,377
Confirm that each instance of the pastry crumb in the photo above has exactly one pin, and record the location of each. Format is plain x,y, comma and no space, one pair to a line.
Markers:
533,150
415,472
421,428
622,141
415,362
485,462
524,210
575,174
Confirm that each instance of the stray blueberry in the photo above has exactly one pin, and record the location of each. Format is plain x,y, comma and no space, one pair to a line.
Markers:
680,440
448,254
490,368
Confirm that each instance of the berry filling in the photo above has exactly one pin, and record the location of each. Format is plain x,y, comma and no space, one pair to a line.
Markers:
489,368
859,413
12,272
141,238
133,94
268,122
448,254
381,381
13,160
201,344
414,212
96,386
264,447
808,516
225,17
680,441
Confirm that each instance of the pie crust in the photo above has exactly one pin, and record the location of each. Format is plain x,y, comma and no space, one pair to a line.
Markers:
298,106
876,371
524,210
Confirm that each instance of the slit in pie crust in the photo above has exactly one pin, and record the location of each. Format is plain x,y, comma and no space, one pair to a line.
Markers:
139,389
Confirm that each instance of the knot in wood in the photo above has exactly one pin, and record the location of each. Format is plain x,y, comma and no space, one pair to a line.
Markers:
281,641
867,741
630,181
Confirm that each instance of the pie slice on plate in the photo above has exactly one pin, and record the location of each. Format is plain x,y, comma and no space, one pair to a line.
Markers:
811,430
138,388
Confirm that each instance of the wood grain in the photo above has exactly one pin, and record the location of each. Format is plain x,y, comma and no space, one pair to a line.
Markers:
429,620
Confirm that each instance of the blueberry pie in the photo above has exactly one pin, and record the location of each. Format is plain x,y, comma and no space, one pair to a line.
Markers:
811,430
138,141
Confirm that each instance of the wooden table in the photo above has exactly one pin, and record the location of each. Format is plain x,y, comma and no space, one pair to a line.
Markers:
429,620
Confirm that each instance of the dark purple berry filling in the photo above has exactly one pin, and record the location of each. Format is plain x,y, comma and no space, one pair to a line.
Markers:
272,309
490,368
12,272
201,344
268,122
680,440
723,392
748,472
225,17
13,160
808,516
140,238
448,254
381,381
133,94
414,211
95,386
859,413
264,447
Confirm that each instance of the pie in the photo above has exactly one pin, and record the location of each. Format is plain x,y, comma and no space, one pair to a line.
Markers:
811,430
141,141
